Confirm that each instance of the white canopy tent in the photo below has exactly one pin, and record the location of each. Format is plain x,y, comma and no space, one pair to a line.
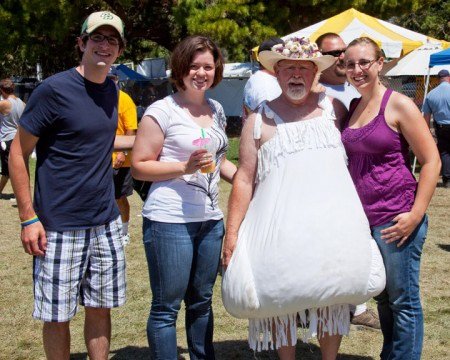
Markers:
416,62
239,70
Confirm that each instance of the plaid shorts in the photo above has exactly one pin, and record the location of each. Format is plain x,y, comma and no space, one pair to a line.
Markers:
85,266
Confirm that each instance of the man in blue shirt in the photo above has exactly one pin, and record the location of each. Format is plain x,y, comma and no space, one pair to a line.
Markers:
73,227
437,104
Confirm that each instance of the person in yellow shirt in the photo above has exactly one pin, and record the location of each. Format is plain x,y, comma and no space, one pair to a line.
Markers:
123,182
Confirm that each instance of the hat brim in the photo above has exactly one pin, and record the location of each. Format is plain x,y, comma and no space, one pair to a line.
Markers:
269,58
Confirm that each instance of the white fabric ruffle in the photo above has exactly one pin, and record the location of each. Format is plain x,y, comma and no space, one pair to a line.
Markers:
315,133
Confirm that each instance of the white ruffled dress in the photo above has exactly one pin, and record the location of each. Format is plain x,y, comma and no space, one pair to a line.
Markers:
304,250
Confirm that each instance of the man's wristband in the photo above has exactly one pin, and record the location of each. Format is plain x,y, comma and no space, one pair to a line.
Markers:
29,221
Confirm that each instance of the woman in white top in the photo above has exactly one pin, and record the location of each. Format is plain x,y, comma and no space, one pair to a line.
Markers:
183,226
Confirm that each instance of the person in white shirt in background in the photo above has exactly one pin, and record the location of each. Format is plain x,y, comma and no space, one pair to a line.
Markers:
11,109
334,79
262,85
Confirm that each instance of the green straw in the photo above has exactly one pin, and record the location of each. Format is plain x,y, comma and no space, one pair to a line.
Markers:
203,133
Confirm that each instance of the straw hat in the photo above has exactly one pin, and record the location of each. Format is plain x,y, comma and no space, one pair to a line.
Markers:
300,49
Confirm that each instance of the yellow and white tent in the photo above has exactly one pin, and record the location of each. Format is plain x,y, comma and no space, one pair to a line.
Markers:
395,40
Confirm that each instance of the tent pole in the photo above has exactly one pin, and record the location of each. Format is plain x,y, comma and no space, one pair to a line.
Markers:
251,61
427,83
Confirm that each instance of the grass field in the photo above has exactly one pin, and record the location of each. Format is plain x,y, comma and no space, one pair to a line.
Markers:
20,335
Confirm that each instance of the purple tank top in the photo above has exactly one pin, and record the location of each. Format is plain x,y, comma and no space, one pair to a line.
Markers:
379,166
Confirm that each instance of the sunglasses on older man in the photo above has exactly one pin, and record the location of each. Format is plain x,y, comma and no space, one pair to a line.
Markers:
335,53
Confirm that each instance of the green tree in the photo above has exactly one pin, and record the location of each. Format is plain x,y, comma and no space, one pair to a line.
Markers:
239,25
431,19
236,25
43,31
303,13
39,31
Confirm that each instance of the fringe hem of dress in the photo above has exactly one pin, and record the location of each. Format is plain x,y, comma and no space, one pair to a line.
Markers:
334,320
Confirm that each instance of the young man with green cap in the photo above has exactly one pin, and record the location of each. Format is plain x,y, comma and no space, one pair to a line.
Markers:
73,227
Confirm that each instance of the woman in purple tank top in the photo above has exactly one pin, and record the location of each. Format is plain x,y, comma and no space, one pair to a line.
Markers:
380,127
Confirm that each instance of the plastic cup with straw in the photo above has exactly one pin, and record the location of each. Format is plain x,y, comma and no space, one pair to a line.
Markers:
210,145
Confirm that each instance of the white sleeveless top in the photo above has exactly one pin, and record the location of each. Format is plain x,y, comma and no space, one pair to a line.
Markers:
305,242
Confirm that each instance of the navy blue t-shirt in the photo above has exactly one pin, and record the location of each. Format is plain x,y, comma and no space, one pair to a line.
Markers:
75,120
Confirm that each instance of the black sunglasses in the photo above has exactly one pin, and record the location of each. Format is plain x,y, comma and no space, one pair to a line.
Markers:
335,53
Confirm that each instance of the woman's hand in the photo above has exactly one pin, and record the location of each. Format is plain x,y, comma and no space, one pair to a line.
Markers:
405,224
198,159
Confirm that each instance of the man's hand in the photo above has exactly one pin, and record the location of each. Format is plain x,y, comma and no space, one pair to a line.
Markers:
228,249
34,240
120,160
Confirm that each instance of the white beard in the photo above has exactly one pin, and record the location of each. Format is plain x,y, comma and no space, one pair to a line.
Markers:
296,93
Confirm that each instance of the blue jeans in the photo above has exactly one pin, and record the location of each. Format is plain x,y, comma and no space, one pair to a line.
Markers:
399,304
183,260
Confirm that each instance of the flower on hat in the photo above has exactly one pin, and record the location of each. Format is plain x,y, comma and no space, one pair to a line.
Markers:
295,48
298,48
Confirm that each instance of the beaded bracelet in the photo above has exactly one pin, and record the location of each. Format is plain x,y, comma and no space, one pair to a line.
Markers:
29,221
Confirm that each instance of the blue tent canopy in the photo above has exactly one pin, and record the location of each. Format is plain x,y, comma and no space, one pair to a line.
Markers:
125,73
440,58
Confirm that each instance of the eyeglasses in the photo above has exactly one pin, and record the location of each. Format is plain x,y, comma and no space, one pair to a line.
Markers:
363,64
98,38
335,53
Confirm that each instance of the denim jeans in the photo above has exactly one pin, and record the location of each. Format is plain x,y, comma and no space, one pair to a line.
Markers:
183,260
399,304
